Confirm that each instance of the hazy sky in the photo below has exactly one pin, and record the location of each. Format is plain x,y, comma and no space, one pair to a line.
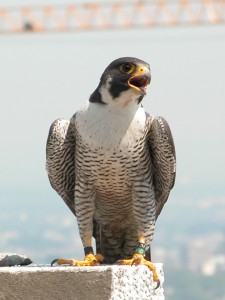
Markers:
45,76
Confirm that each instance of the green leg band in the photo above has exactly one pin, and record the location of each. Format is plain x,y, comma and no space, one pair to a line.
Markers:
140,249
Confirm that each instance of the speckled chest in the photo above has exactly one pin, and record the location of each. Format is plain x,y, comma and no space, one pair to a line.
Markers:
109,143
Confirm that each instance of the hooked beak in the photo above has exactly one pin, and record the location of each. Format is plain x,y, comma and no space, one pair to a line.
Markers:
140,80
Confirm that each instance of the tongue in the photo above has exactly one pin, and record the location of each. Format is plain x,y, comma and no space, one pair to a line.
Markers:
140,82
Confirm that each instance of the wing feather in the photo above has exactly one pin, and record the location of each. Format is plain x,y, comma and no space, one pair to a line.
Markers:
60,160
163,156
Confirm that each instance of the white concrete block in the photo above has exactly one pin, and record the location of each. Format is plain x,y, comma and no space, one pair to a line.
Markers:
80,283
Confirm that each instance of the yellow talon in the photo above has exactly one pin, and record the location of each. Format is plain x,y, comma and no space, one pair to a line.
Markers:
138,259
89,260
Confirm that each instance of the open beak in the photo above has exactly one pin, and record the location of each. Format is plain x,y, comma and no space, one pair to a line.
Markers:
140,80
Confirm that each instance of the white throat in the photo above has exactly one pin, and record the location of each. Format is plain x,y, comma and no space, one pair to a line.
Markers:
109,127
126,103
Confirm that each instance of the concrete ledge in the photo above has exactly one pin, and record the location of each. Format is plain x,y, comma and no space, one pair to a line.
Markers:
79,283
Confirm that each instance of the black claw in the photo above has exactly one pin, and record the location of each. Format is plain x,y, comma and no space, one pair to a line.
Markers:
157,285
54,261
134,260
96,263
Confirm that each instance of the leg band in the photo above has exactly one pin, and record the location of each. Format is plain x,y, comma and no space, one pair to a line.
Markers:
88,250
140,249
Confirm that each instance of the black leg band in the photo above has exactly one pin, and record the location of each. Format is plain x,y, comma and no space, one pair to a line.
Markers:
88,250
140,249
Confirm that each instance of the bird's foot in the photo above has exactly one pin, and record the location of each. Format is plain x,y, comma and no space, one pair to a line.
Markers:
89,260
138,259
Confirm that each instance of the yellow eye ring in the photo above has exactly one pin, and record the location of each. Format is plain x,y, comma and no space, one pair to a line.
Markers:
127,68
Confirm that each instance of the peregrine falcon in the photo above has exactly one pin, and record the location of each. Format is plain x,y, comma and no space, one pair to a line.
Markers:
114,166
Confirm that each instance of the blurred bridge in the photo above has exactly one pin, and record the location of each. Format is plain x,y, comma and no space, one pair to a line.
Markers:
110,15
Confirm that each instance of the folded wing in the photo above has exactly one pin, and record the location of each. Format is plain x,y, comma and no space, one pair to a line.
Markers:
162,151
60,160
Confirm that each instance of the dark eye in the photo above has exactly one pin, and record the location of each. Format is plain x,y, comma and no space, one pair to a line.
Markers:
127,68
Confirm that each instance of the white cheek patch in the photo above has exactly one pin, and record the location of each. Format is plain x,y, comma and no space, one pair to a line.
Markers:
104,91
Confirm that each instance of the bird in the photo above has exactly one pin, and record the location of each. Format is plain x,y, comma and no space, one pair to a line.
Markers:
114,165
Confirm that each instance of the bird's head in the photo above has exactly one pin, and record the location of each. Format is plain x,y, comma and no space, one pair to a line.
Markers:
124,80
